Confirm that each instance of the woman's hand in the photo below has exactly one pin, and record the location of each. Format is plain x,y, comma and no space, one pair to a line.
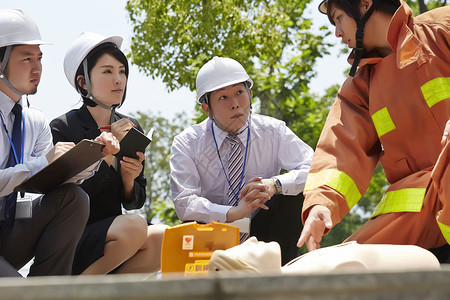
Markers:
130,169
121,127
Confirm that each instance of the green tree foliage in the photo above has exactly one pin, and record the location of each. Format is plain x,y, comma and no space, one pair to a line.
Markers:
421,6
157,169
272,39
274,42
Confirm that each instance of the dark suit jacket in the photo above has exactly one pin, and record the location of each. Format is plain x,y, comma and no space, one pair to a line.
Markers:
105,188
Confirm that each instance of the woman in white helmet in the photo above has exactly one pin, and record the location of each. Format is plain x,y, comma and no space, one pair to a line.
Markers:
97,68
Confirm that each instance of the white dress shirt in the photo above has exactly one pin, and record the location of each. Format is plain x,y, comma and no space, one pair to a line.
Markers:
198,183
37,143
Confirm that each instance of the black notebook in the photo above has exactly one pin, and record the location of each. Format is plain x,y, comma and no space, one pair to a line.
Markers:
133,142
77,159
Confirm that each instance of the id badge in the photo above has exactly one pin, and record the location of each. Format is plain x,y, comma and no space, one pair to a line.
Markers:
243,224
24,208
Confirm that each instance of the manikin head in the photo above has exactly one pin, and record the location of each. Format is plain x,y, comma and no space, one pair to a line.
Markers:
251,256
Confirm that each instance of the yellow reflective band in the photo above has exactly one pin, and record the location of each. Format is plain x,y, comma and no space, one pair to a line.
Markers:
445,229
337,180
383,122
405,200
436,90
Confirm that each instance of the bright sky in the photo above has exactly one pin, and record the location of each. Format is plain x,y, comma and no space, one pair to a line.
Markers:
60,22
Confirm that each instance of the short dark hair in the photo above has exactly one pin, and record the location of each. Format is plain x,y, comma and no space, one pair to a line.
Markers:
92,58
386,6
2,52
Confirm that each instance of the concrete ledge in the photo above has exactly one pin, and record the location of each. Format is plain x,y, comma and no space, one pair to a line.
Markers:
392,285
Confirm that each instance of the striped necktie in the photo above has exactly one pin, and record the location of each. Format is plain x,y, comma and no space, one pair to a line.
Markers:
235,169
10,203
235,165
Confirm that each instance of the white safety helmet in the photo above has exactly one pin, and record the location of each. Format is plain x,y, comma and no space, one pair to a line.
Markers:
218,73
16,28
80,48
77,55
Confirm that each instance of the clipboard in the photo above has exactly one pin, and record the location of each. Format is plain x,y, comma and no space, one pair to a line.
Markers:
134,141
77,159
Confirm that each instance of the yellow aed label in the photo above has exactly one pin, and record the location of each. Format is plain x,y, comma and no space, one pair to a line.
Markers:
199,266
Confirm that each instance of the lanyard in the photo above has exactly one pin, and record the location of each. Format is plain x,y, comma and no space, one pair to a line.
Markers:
243,169
10,141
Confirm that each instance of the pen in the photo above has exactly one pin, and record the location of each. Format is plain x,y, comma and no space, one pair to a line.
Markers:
109,127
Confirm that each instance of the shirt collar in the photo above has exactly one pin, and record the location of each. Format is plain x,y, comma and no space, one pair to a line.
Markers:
7,104
403,40
221,135
402,17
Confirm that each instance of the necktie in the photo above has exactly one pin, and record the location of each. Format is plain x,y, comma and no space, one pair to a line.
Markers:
10,203
235,168
235,165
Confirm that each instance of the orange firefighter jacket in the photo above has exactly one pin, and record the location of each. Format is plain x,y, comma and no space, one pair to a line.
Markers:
393,111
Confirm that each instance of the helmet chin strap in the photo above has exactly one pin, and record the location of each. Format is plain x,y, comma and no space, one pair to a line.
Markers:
359,36
3,67
89,95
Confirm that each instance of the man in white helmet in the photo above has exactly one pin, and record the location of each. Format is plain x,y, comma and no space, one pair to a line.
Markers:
57,219
228,167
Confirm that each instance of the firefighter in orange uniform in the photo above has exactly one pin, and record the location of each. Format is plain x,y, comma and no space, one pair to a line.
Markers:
393,109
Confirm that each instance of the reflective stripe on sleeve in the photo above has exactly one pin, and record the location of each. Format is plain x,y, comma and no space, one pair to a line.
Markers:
383,122
436,90
405,200
337,180
445,229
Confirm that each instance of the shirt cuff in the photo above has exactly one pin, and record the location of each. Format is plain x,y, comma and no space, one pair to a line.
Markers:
288,186
219,212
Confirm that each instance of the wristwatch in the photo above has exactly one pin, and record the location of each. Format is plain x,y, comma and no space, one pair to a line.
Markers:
278,186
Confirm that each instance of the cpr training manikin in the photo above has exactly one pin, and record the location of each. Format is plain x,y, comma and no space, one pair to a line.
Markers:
254,256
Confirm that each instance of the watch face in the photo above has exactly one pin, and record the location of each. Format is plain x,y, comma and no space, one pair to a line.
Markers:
278,185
